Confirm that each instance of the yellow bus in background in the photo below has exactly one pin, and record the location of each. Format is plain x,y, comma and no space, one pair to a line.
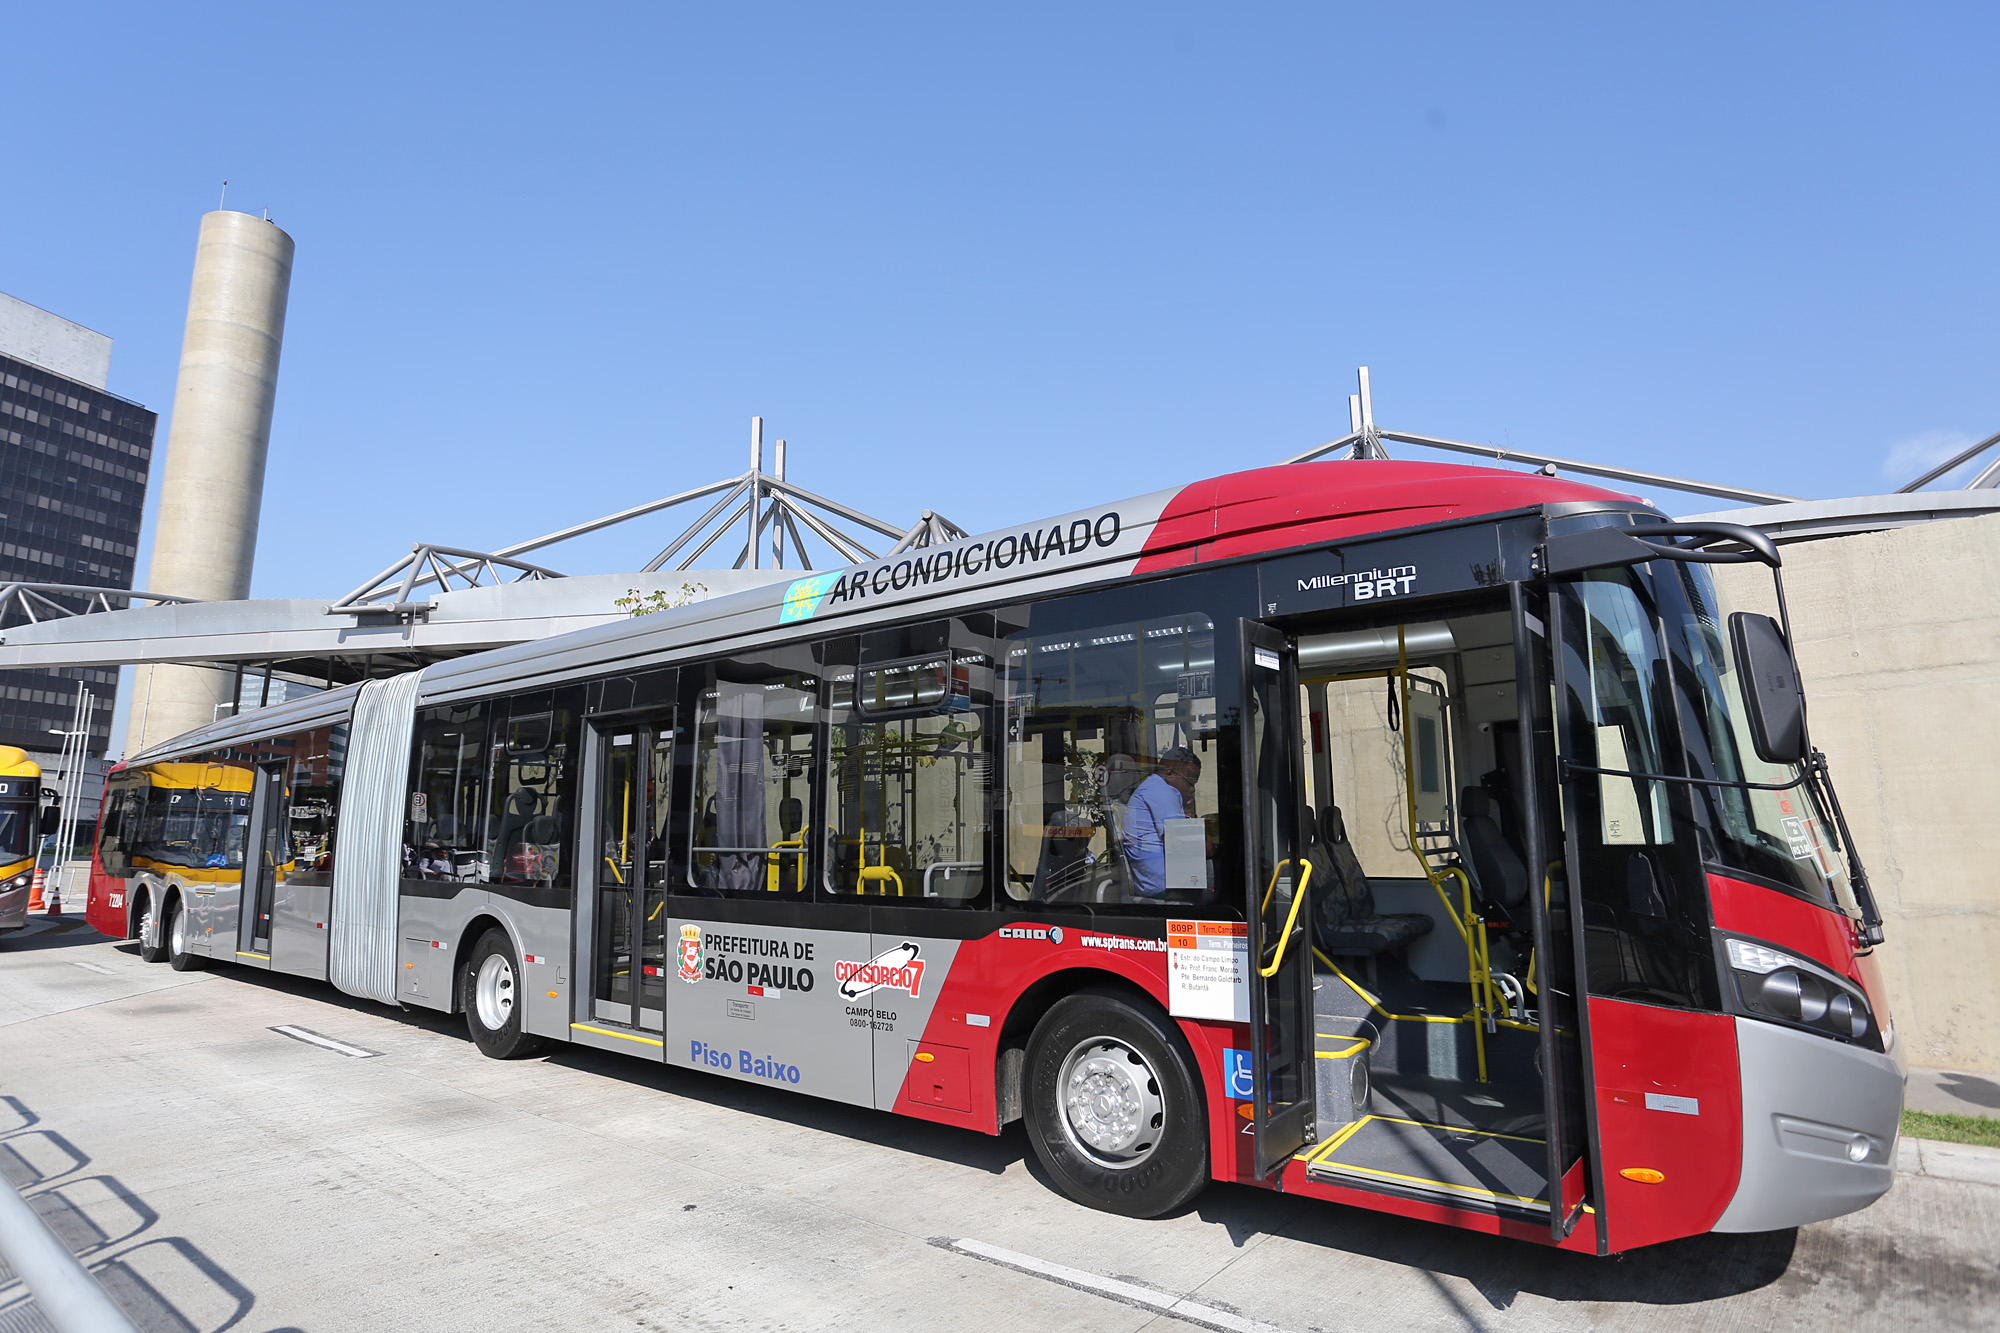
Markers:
20,830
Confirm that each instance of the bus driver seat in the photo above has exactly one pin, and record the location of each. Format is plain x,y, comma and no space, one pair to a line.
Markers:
1497,869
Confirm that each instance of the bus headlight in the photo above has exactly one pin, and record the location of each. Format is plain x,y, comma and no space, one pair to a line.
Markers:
1772,984
20,882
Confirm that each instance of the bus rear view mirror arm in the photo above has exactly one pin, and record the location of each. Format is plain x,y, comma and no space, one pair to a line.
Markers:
1634,544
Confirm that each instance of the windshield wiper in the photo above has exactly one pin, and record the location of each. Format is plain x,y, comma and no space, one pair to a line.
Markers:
1814,777
1857,874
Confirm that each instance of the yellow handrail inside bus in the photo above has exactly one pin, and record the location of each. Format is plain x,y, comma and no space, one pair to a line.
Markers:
1548,892
881,873
773,860
1470,928
1291,918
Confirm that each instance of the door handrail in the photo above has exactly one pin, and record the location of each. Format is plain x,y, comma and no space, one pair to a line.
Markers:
1471,928
1298,898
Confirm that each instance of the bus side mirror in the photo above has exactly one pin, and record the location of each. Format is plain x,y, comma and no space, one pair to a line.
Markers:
1770,688
51,819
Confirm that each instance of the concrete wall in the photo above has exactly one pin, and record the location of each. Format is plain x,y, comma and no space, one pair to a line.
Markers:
1898,639
30,333
212,493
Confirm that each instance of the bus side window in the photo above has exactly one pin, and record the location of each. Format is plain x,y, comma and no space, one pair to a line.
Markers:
1112,792
756,764
222,822
444,832
532,789
908,814
318,758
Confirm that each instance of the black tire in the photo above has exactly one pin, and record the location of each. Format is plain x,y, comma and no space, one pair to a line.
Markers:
495,1023
175,936
150,923
1150,1154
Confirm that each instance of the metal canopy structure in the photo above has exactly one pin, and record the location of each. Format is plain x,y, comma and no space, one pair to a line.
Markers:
1364,440
442,601
1985,481
35,602
757,505
1784,517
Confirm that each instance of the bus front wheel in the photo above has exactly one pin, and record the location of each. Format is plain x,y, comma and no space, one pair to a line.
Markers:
1114,1109
490,993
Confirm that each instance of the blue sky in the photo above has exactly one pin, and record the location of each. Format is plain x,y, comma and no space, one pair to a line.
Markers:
1004,261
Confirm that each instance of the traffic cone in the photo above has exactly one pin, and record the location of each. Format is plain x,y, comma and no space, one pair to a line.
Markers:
35,903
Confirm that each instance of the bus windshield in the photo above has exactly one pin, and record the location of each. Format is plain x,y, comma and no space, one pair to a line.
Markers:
17,829
1778,836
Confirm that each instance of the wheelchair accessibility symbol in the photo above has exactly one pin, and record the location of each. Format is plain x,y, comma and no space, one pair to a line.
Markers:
1237,1080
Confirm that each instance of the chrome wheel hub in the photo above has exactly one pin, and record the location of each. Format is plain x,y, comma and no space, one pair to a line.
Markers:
179,935
1112,1111
493,992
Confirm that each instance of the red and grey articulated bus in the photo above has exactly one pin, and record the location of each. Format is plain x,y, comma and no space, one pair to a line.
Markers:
1421,838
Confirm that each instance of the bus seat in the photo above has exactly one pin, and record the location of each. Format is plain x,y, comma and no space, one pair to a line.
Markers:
1115,885
1345,921
1497,869
1122,776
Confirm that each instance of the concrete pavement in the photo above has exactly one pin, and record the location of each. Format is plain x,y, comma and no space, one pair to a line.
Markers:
1952,1092
220,1174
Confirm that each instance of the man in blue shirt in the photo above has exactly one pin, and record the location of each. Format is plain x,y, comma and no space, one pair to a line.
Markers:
1167,794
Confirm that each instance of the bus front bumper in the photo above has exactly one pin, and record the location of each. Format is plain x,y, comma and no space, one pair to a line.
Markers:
1819,1127
14,905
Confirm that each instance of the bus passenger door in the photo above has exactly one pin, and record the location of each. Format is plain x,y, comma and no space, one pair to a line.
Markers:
262,851
622,928
1280,954
1548,669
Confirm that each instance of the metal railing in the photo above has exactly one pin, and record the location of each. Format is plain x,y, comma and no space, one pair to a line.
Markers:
64,1291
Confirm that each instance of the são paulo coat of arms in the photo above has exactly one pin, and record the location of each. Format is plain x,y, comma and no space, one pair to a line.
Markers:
690,953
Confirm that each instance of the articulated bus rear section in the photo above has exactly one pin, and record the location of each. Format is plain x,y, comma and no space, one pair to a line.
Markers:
1424,839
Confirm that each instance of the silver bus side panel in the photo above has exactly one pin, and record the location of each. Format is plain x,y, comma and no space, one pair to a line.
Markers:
300,928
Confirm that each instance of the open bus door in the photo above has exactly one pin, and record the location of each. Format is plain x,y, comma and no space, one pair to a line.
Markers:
1284,1115
1546,809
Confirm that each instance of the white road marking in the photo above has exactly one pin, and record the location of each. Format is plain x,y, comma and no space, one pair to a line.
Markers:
93,967
1128,1293
311,1038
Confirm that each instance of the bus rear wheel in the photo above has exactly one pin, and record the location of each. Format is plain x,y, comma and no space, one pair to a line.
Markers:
1114,1108
152,944
490,993
177,939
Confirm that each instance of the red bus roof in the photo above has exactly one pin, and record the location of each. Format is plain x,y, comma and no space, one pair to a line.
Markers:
1300,504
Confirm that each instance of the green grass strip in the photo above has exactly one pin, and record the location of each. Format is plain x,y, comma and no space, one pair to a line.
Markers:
1981,1129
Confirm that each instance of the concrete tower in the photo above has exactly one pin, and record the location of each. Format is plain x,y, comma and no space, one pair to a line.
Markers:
213,486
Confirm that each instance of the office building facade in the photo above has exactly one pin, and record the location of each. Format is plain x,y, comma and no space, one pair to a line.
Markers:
74,461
